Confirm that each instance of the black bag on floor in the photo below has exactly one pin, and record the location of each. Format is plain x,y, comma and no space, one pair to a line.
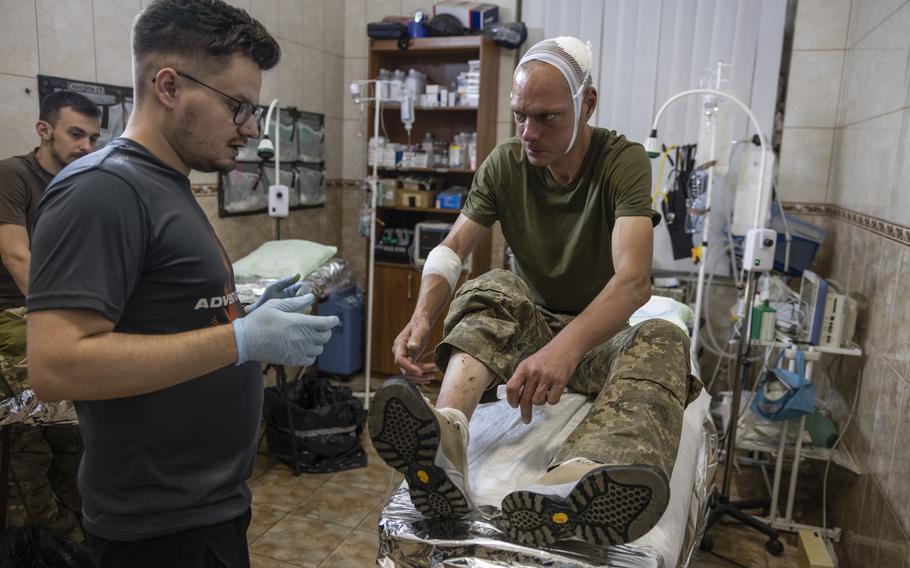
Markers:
328,421
35,546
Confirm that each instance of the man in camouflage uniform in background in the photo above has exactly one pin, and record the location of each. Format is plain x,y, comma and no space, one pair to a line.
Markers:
574,205
44,458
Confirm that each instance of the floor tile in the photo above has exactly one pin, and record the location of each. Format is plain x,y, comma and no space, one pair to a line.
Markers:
264,518
303,541
376,476
359,549
280,490
339,503
371,522
257,561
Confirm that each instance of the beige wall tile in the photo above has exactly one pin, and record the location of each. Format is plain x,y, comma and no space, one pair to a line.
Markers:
266,11
314,24
887,420
312,80
290,20
865,166
813,88
504,131
900,197
897,347
866,15
334,89
19,38
876,70
821,24
506,67
859,436
290,74
20,112
378,9
861,543
334,27
113,60
354,147
355,28
892,544
334,163
65,39
355,69
270,85
898,489
242,4
508,10
805,157
883,295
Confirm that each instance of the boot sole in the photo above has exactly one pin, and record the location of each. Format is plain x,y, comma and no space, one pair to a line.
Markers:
406,436
610,505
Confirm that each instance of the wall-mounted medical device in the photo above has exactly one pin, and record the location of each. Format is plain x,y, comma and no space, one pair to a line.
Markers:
427,236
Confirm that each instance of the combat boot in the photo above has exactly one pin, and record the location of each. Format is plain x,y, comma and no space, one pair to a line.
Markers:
428,446
600,504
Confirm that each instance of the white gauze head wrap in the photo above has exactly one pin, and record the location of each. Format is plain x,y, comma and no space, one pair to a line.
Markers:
573,58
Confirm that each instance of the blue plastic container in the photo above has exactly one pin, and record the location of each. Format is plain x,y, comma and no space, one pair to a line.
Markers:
343,354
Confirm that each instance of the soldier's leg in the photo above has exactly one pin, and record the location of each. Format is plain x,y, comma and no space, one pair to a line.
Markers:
610,482
31,499
66,448
492,325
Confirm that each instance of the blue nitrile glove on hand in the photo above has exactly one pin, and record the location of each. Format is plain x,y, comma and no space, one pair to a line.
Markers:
277,332
286,287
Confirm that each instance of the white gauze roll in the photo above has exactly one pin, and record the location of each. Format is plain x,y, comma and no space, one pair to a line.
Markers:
445,262
573,58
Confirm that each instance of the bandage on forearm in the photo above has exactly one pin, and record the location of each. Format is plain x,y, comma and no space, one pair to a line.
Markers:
445,262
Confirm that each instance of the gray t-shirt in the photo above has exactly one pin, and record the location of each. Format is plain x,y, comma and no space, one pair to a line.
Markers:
120,232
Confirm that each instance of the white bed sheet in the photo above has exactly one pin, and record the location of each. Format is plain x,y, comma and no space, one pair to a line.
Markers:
505,454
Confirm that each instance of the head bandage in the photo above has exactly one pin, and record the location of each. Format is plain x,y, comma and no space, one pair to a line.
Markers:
573,58
445,262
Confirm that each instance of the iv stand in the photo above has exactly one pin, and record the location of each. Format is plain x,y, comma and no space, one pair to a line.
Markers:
720,502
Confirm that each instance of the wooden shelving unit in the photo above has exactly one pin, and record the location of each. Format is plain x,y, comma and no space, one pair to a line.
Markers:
396,284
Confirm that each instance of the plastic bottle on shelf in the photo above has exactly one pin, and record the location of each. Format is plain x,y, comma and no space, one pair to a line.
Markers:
383,88
427,146
455,152
397,90
472,151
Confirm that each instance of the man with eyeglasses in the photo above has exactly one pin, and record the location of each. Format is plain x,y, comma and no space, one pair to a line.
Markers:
168,388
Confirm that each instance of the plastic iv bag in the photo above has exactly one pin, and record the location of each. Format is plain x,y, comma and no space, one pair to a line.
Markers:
716,123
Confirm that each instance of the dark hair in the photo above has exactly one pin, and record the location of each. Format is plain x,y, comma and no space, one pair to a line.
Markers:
209,30
52,103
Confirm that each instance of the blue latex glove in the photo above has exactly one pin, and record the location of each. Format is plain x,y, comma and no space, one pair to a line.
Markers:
286,287
277,332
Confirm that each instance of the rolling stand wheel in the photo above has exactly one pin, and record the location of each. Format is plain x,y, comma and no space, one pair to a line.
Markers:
774,547
706,544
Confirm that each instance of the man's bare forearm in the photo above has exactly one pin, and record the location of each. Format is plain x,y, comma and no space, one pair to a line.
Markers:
115,365
605,316
432,298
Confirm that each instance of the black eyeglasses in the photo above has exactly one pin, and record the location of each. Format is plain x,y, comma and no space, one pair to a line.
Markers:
242,112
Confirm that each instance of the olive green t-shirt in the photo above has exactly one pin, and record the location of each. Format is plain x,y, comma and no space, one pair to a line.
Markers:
560,236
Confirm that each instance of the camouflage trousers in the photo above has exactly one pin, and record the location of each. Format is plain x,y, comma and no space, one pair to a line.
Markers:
640,377
42,486
44,458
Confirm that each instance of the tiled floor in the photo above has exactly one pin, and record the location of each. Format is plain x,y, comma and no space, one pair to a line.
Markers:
331,520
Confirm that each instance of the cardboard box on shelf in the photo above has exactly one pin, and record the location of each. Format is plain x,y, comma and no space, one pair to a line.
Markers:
415,198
